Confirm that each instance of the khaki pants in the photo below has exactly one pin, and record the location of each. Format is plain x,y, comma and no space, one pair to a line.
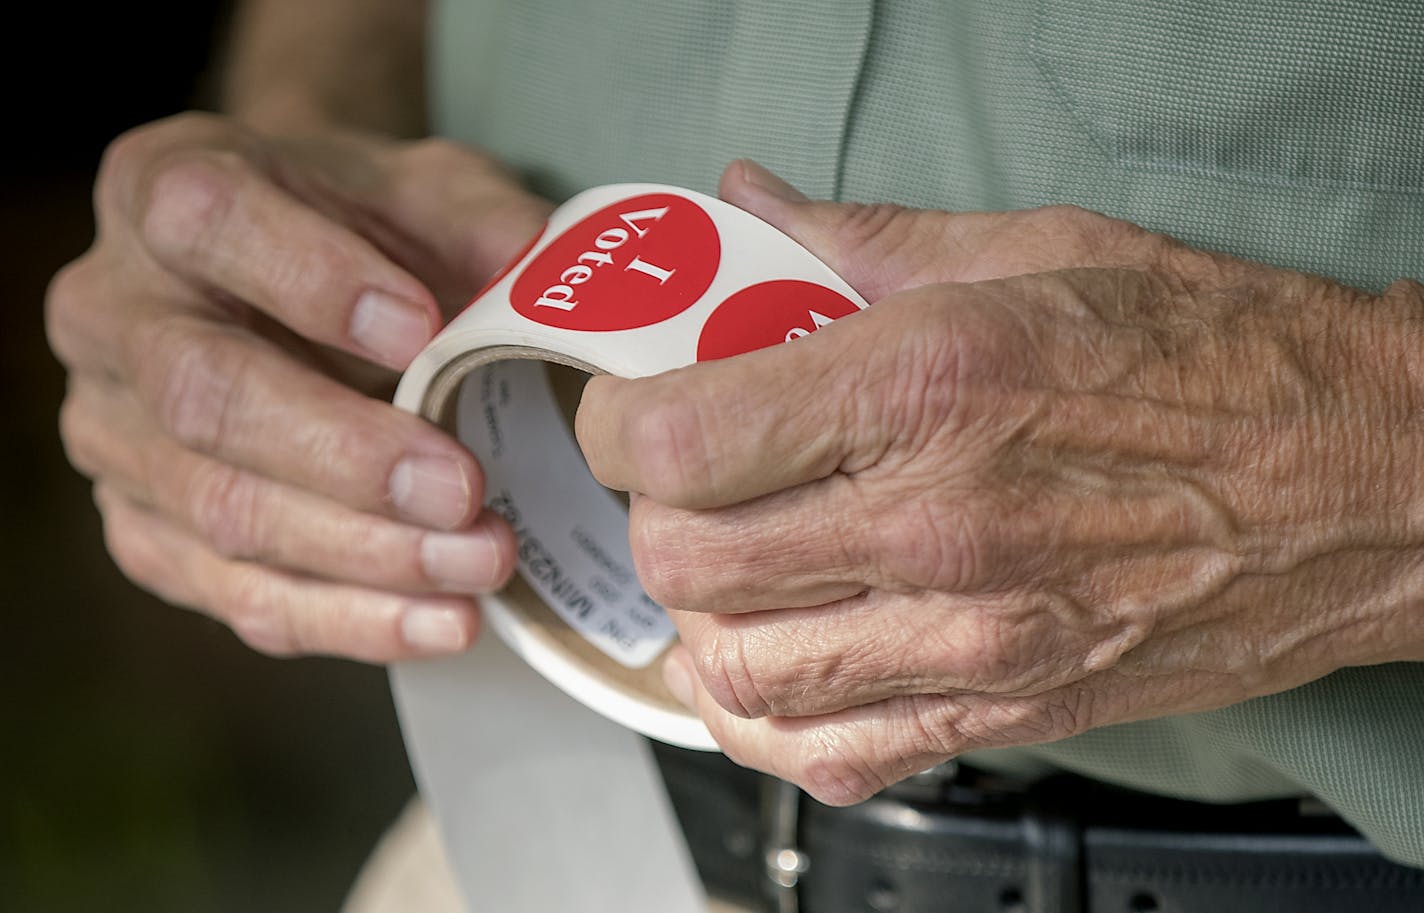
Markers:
408,872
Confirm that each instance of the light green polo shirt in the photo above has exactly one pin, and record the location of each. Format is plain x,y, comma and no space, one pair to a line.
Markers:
1287,131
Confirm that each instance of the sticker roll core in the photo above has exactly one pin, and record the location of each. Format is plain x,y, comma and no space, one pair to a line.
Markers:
629,280
515,413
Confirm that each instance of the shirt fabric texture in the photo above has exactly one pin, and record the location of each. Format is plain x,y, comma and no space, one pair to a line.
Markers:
1289,132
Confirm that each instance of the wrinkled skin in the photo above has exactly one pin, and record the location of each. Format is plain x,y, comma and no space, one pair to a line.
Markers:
243,296
1064,473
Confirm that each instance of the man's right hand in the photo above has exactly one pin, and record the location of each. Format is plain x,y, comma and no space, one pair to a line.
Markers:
243,299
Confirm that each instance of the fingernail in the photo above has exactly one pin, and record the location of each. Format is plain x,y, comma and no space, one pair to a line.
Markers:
391,329
678,678
431,490
758,176
462,562
435,629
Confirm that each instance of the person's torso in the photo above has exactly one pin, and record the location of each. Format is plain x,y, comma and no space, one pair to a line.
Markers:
1287,131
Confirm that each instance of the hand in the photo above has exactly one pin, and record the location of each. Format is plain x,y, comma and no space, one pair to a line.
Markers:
240,295
1063,473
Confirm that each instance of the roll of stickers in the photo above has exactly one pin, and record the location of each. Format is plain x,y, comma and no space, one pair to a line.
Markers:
543,804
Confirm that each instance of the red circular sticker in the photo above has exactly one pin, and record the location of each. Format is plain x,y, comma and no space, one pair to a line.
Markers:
632,264
764,314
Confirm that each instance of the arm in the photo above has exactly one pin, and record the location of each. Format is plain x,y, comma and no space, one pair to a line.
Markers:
351,63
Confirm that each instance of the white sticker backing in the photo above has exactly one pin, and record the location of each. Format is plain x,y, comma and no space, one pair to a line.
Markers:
573,545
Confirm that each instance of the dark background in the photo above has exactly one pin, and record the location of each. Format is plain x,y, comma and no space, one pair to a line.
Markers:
148,761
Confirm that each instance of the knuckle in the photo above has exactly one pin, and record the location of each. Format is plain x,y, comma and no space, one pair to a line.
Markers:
191,196
1069,714
1084,222
1067,214
888,247
859,224
195,377
66,299
354,626
993,722
932,728
1187,267
245,605
440,152
1409,291
1000,724
930,544
128,153
134,148
924,391
75,434
989,663
331,443
225,511
133,553
256,633
1004,659
921,551
128,161
669,450
261,633
659,560
836,773
948,727
1103,240
441,155
722,662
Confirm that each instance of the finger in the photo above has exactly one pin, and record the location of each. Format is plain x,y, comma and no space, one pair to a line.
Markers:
221,391
442,210
804,546
274,611
987,531
85,326
243,516
813,661
885,382
842,535
726,431
217,221
457,213
840,758
879,249
846,757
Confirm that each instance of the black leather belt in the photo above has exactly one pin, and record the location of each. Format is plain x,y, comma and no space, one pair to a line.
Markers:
959,841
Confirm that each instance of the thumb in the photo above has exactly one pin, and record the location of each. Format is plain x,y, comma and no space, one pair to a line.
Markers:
882,248
878,248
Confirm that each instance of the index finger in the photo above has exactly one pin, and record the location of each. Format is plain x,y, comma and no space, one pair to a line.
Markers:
722,432
231,228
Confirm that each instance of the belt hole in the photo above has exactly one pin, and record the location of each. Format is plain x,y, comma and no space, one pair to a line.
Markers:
1144,902
1011,900
882,897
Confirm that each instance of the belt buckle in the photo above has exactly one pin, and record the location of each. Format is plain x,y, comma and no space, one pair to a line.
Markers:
785,862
